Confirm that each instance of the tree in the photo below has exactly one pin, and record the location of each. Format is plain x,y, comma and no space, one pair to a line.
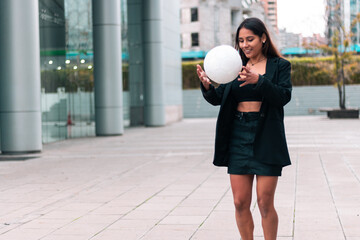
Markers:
340,47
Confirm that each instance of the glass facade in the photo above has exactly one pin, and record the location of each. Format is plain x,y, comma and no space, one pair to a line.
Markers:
348,11
354,10
63,71
67,80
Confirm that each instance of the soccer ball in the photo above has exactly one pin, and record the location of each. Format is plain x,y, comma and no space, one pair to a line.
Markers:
222,64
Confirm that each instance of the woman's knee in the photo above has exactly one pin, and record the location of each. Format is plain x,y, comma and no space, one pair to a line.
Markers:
242,191
266,205
242,204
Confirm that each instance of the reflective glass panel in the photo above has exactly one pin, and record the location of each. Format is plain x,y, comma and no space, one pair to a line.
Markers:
67,80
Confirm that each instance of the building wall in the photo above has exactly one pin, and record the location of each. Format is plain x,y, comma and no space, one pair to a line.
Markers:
354,10
270,7
218,21
213,25
288,40
259,12
172,61
305,100
346,13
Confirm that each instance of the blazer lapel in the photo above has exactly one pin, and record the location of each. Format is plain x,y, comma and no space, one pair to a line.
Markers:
271,66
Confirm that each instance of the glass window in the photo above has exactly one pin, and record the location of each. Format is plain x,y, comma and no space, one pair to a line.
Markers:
53,73
125,62
79,68
235,17
194,39
67,80
194,14
181,41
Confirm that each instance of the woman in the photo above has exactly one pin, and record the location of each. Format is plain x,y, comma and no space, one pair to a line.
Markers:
250,137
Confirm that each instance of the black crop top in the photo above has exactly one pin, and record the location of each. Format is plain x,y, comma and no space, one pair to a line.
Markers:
245,93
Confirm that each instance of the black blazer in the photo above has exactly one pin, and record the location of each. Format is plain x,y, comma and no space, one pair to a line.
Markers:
270,143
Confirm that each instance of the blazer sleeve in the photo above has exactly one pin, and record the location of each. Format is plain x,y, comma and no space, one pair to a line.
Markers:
277,91
213,95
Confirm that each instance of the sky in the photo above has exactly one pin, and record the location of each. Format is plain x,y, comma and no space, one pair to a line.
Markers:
302,16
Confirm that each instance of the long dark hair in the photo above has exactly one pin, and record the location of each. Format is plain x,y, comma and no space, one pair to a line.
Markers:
258,28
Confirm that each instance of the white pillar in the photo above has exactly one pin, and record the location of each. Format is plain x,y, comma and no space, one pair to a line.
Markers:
153,63
107,67
20,111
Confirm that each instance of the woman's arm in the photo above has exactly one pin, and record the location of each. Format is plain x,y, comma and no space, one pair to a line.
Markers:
278,93
212,95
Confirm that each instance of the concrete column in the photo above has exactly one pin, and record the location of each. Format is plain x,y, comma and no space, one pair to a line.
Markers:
153,63
136,62
107,67
20,112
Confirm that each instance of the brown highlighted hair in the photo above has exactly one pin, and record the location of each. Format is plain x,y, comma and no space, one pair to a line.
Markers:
258,28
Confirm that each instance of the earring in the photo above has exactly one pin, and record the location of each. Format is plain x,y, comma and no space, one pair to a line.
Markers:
264,42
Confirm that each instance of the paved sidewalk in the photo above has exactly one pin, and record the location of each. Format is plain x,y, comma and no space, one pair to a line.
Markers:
159,183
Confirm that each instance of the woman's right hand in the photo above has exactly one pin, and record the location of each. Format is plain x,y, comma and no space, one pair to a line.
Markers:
203,77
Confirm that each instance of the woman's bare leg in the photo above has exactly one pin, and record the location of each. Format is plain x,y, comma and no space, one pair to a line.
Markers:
265,189
242,190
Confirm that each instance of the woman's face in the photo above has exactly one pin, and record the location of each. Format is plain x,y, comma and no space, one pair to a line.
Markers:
250,43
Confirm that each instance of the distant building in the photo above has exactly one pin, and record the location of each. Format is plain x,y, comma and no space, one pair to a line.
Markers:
341,13
270,7
354,9
288,40
314,40
292,44
209,23
258,10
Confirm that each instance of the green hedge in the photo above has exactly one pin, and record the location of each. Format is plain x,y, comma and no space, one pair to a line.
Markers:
304,72
311,73
190,79
72,79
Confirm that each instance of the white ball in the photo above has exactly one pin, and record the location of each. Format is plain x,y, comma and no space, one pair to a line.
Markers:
222,64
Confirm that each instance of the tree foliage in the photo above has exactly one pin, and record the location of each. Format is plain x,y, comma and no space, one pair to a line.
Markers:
340,47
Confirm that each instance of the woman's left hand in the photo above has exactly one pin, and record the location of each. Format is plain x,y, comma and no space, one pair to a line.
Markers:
248,76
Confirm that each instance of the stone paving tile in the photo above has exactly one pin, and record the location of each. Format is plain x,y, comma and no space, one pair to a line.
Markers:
202,234
159,183
66,237
221,220
183,220
319,235
117,234
46,223
25,234
143,224
98,218
191,211
112,210
85,229
176,232
146,214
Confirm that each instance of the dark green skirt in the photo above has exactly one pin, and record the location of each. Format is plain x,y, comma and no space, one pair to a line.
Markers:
241,149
